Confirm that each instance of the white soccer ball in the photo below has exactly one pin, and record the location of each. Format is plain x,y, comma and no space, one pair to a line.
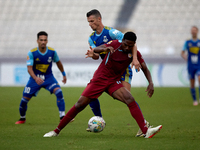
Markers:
96,124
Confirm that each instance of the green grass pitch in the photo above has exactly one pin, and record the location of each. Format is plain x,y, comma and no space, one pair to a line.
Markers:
171,107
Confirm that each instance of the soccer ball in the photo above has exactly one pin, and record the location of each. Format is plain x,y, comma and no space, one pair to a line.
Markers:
96,124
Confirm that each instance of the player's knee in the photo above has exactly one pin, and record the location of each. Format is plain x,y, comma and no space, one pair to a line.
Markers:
82,103
59,94
128,99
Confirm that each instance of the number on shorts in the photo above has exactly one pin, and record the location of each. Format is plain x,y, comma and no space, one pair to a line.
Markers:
27,90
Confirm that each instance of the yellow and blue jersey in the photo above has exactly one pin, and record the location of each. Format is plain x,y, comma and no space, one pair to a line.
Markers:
193,48
104,37
42,62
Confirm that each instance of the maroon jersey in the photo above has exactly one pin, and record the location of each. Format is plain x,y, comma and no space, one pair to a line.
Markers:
113,65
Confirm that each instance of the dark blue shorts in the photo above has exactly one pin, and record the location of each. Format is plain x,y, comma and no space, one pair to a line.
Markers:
192,71
32,88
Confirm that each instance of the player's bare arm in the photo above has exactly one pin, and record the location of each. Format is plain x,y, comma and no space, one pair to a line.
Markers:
183,55
150,87
38,80
60,67
99,49
103,48
135,61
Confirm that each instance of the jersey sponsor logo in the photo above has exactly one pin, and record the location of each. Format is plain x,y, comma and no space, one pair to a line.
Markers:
27,58
42,67
105,39
129,55
194,50
37,59
49,60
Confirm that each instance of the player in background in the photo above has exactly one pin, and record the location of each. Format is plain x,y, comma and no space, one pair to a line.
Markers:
192,47
107,78
101,35
39,64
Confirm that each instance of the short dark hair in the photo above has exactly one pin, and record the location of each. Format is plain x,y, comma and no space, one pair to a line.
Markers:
94,12
42,33
195,27
130,36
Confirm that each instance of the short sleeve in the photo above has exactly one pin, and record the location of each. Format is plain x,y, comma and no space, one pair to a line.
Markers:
116,34
139,57
29,61
56,58
91,43
185,46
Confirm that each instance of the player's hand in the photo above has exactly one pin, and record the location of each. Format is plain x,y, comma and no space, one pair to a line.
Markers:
39,81
64,79
110,49
137,65
150,90
90,52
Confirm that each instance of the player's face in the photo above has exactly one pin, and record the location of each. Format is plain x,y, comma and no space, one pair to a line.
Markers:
127,45
42,41
94,22
194,32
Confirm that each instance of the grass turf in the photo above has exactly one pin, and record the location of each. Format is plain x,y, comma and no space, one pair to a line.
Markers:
171,107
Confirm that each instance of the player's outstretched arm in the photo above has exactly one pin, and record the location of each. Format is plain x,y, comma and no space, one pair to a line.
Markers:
60,67
150,88
135,61
99,49
38,80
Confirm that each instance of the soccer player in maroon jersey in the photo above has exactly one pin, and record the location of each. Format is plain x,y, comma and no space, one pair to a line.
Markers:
107,78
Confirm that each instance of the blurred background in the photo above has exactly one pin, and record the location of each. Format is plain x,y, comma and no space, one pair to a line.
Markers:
161,26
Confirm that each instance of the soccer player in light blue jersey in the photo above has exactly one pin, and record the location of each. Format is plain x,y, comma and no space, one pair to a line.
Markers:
192,47
39,64
101,35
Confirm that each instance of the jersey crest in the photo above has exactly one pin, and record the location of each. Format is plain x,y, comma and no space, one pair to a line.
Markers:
105,39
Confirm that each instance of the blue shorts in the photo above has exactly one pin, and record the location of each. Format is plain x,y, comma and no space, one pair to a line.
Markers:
32,88
192,71
127,75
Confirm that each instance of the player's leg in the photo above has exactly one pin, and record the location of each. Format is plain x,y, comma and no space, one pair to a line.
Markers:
30,90
191,72
92,91
125,96
60,101
126,82
51,84
119,92
78,107
95,107
198,74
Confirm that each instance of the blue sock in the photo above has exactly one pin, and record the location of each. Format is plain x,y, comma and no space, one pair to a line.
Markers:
95,106
60,102
193,93
23,107
199,92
